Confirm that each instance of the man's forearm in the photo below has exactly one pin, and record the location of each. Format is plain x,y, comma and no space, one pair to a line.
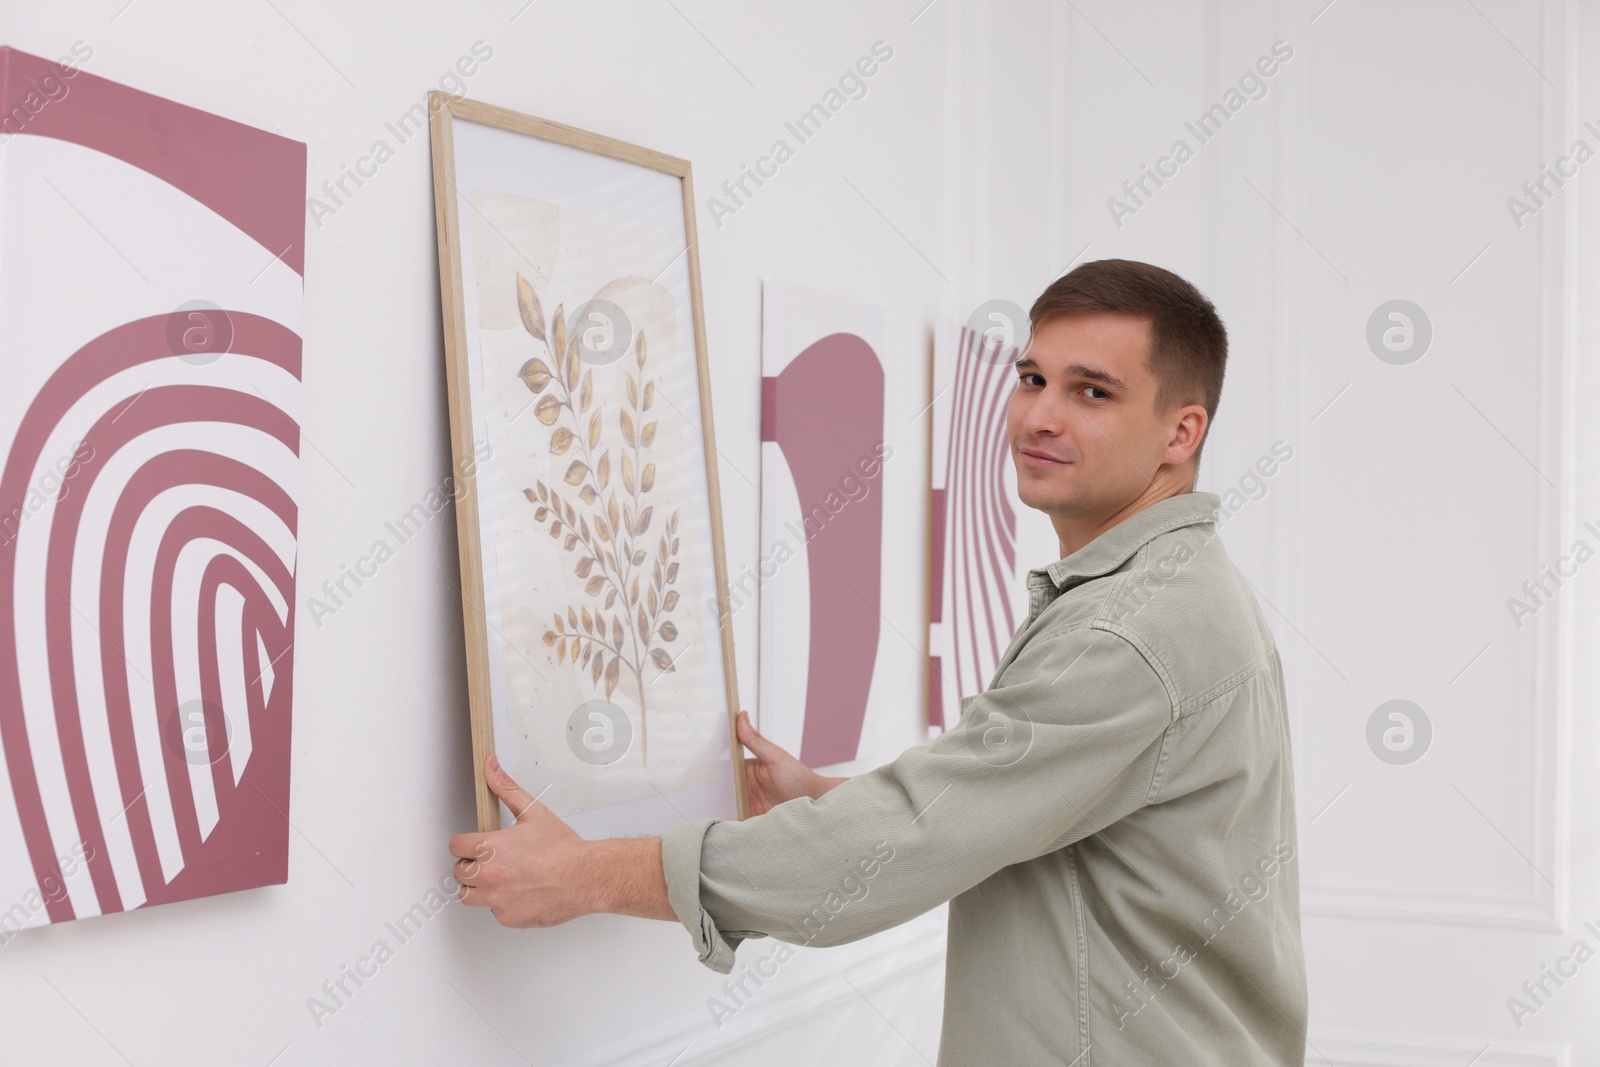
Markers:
628,878
627,875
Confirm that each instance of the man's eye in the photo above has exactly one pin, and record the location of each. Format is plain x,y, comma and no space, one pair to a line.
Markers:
1095,388
1023,378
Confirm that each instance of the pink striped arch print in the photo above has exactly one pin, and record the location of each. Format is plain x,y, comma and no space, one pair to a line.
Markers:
148,518
973,557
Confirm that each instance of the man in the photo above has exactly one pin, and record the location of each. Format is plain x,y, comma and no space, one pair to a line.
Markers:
1112,821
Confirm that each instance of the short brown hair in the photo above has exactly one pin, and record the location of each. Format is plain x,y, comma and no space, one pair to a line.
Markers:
1188,343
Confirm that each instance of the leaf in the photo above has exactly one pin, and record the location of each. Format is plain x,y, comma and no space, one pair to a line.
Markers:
587,494
560,626
633,591
628,434
672,523
588,650
644,521
633,392
561,440
529,308
647,477
583,523
674,546
650,600
602,472
672,573
555,528
601,530
572,617
544,494
549,638
611,510
649,434
535,374
558,334
541,513
627,516
561,654
670,601
547,409
585,395
662,661
611,675
598,660
588,621
616,631
644,627
639,348
594,425
649,395
585,565
572,539
595,584
627,472
638,557
612,559
576,472
574,364
611,598
533,498
668,631
655,574
572,518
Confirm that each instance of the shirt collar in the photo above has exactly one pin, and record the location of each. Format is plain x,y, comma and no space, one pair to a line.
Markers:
1111,549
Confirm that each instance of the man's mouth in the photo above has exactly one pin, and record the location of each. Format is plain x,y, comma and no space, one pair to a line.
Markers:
1039,458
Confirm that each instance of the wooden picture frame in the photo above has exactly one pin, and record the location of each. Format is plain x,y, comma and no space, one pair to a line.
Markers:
559,208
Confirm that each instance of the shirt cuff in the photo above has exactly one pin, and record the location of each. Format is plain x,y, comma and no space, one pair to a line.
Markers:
680,861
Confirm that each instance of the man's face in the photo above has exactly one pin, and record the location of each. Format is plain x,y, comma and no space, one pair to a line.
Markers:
1085,434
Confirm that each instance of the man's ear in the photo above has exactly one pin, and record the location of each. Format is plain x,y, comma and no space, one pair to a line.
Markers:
1188,431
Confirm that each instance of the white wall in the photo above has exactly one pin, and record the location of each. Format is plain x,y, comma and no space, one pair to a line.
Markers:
978,166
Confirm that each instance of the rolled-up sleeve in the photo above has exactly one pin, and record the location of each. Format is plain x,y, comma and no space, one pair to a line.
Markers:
1068,740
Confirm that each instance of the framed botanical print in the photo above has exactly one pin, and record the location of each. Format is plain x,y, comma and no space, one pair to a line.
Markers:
593,577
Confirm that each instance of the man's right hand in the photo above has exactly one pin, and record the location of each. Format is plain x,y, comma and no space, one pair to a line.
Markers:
774,776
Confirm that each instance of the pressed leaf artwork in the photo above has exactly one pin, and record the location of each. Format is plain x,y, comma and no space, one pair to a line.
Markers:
565,387
594,592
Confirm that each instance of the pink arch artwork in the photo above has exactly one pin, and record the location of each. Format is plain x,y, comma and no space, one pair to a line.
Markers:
838,375
822,530
148,509
973,557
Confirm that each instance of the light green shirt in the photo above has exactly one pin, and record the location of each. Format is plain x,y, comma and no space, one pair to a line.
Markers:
1112,822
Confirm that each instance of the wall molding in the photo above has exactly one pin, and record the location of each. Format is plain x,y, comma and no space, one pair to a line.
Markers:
1543,907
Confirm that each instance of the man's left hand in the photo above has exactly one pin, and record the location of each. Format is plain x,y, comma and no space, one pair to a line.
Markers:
535,873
